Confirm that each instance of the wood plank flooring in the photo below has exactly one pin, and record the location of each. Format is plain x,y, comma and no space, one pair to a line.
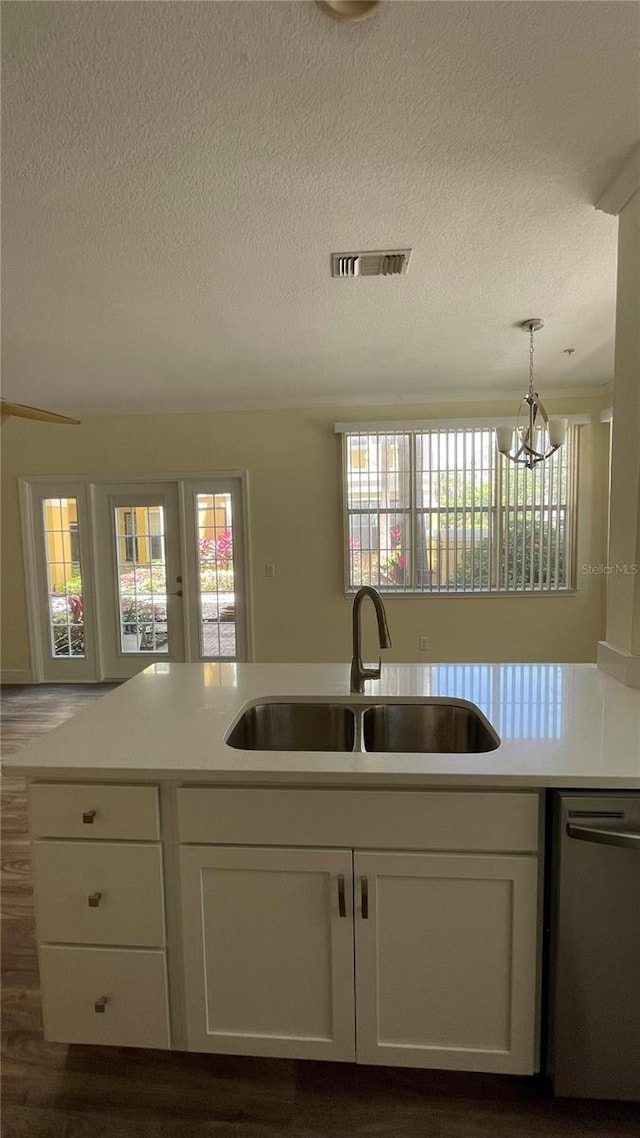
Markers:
55,1091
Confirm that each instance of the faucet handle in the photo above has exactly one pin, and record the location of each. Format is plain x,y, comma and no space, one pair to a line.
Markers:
373,673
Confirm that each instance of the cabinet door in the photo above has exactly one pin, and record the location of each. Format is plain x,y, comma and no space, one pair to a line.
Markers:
268,946
446,960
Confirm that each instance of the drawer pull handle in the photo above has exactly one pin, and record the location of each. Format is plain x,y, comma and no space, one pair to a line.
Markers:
100,1004
342,901
364,897
94,900
88,817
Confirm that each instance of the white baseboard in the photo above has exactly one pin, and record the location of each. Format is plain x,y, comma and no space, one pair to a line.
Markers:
621,665
15,676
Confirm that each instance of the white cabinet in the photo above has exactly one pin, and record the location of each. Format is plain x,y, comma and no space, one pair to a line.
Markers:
376,926
446,960
268,947
442,945
92,897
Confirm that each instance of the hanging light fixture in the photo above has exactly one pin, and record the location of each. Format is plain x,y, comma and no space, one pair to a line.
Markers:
349,10
535,438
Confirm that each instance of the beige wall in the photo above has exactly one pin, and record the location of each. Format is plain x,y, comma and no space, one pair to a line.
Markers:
623,588
293,460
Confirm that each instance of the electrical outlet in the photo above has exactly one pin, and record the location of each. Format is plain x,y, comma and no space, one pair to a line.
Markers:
423,643
269,569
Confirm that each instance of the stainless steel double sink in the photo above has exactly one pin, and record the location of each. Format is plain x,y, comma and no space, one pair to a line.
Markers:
430,725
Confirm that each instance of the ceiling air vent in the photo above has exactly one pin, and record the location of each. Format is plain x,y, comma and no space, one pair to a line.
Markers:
381,263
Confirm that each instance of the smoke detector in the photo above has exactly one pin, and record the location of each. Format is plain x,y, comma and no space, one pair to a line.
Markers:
378,263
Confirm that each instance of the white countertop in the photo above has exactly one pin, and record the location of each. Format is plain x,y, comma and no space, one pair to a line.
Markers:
567,725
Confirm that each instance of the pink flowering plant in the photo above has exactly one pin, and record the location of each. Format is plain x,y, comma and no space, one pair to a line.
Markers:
396,563
216,563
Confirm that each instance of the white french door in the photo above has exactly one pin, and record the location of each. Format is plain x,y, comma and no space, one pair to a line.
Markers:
216,600
60,598
139,576
122,574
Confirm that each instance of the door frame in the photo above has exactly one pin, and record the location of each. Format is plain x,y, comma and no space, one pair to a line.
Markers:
32,489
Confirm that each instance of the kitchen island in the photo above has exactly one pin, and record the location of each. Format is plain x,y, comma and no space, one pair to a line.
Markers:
356,906
568,725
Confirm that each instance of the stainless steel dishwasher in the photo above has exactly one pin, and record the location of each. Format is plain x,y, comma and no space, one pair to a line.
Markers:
593,1005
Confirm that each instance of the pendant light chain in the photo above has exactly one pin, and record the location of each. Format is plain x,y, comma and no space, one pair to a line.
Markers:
531,391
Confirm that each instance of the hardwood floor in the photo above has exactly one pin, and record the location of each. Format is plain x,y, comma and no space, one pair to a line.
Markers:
55,1091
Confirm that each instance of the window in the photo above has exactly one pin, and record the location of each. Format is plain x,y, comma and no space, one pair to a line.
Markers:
156,533
438,510
74,542
142,590
63,576
216,575
130,539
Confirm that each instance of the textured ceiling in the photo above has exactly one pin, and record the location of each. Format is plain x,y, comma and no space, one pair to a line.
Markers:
176,176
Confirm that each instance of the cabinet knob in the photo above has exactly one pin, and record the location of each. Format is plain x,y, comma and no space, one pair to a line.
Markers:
94,900
88,817
100,1005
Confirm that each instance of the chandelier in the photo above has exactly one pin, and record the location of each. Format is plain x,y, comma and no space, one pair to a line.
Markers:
535,438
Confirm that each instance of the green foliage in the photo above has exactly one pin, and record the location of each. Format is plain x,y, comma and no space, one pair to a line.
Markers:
527,562
73,584
216,580
61,636
144,579
464,489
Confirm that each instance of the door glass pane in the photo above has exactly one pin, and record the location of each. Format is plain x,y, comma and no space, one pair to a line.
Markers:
142,578
215,576
64,576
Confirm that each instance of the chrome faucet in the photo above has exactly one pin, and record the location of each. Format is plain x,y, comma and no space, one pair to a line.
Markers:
358,671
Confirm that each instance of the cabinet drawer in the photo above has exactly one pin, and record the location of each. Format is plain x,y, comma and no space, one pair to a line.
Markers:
98,892
397,819
132,983
70,810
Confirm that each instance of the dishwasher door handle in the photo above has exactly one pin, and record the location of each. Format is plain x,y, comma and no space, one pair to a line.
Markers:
627,838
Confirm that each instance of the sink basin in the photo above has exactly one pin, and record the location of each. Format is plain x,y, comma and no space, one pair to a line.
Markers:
295,727
439,725
427,726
